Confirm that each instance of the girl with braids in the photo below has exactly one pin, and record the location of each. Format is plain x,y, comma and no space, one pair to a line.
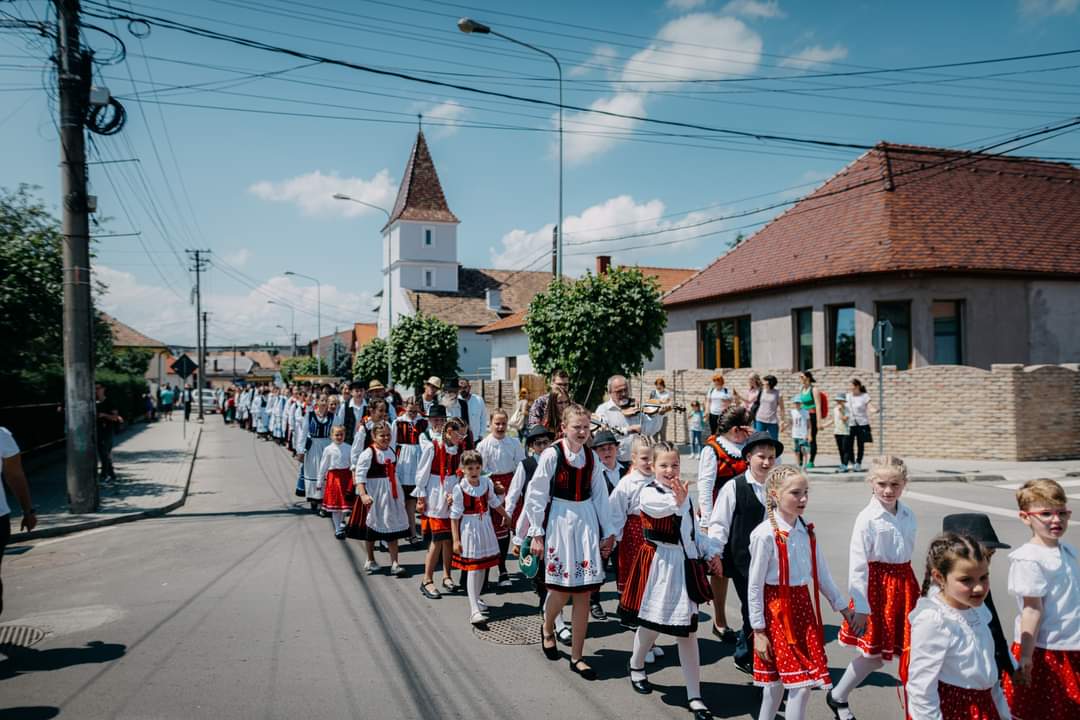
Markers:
435,478
476,548
655,598
380,491
789,645
950,672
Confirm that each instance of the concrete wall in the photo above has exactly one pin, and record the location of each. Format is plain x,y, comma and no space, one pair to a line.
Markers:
507,344
1010,412
997,322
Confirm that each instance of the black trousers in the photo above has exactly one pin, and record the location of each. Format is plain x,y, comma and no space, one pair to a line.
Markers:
843,445
813,436
104,452
187,411
744,647
714,421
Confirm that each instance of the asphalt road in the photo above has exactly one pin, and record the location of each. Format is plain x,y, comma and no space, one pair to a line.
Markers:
243,605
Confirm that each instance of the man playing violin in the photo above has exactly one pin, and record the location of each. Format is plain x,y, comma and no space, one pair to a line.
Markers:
621,415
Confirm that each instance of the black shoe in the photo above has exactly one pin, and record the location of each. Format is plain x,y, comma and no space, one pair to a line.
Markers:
340,534
835,706
578,667
701,713
726,636
551,652
597,612
745,665
642,687
432,594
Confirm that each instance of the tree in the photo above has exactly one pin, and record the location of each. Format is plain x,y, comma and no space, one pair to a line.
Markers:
595,327
423,345
299,365
371,362
340,359
739,237
127,361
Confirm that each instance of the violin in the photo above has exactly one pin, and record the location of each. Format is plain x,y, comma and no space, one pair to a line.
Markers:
650,407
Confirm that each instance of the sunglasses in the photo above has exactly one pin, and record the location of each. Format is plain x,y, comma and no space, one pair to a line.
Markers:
1048,515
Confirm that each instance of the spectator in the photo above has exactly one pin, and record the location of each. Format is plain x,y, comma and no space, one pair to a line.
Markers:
167,402
107,420
520,414
841,421
859,403
810,400
770,408
186,397
697,426
15,479
560,380
718,399
662,395
554,403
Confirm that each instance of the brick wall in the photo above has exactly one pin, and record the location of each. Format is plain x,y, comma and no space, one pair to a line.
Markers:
1011,412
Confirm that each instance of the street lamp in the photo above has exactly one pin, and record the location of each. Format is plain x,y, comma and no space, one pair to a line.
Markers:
318,315
470,26
389,287
292,312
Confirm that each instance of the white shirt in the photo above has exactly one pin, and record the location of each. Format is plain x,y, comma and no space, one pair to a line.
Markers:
878,536
1052,574
723,512
485,487
428,486
800,424
517,489
359,442
719,399
765,567
478,414
613,416
706,476
539,492
950,646
334,457
625,499
8,448
500,456
363,463
858,408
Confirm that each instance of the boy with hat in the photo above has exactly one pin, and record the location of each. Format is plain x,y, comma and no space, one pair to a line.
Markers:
430,398
739,508
606,447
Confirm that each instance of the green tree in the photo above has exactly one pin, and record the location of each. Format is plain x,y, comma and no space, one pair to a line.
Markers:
299,365
127,361
423,345
339,359
595,327
371,362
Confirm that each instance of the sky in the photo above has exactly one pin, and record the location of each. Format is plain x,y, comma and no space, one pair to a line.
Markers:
238,150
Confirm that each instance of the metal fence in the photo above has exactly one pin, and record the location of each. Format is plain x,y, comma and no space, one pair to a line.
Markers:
36,426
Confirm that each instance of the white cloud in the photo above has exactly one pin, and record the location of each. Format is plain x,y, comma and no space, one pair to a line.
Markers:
580,146
445,117
241,317
237,258
1046,8
619,215
816,55
737,50
684,4
313,193
603,56
760,9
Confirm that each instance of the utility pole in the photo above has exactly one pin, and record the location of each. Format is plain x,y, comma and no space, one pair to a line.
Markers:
202,362
200,263
80,417
555,251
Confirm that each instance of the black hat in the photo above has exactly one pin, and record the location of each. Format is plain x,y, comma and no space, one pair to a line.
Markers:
762,437
538,431
437,411
976,526
604,437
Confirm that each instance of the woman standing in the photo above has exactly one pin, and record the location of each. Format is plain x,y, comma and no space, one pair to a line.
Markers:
770,408
520,414
557,402
718,399
662,395
858,402
810,400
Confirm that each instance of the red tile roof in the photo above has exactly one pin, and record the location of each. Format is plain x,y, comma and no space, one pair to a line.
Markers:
950,211
468,306
420,196
127,336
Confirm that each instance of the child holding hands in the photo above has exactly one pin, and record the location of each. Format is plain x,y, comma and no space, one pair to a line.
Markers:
476,549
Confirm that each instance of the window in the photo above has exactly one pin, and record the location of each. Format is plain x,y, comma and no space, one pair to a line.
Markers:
804,338
724,343
841,345
948,335
899,314
429,237
429,277
511,367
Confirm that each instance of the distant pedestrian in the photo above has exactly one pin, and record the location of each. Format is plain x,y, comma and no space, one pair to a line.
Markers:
108,418
696,419
809,398
841,421
15,479
662,395
167,397
858,402
148,407
770,409
718,399
186,397
520,415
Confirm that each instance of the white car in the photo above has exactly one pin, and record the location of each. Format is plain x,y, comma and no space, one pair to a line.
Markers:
209,399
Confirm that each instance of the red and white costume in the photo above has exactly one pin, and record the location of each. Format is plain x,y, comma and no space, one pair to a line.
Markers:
407,434
1052,574
335,475
386,518
625,502
787,573
501,458
473,505
720,461
881,581
362,439
951,673
435,478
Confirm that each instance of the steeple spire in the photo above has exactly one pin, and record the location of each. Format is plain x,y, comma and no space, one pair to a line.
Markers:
420,196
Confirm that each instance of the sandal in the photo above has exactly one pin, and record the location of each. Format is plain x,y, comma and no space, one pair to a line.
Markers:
551,652
433,593
578,667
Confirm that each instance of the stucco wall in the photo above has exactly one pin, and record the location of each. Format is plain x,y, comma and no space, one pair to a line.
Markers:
506,344
1054,306
474,354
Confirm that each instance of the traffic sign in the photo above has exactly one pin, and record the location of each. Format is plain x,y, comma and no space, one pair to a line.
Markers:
882,337
184,366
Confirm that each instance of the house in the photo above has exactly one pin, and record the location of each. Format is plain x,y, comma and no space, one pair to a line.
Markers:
124,336
340,342
422,273
240,367
974,260
510,344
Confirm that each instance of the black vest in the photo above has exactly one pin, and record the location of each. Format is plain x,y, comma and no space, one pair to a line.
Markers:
350,423
749,512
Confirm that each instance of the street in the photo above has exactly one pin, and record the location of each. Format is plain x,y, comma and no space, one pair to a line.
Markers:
241,604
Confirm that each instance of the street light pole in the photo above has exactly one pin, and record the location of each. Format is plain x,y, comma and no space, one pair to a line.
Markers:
389,288
292,322
318,316
469,26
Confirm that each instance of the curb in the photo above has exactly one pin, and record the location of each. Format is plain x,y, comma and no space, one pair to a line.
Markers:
949,477
126,518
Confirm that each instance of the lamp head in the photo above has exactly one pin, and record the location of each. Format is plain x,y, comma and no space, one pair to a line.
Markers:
289,272
468,25
341,196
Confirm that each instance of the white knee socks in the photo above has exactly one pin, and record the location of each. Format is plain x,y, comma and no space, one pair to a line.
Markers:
643,642
771,695
797,701
856,672
474,583
339,519
690,660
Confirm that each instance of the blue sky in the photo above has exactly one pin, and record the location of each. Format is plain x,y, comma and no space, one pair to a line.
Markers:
244,163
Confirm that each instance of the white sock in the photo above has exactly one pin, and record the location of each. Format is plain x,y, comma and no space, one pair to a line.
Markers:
473,584
797,701
690,660
643,640
338,517
771,695
856,672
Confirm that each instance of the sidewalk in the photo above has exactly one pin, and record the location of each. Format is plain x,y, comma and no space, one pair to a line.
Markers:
153,465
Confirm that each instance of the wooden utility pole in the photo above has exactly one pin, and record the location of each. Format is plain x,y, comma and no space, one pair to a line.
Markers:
200,263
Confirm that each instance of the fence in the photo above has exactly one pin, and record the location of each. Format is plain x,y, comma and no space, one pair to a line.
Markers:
36,426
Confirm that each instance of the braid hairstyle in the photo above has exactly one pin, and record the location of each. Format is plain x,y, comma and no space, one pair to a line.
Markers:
886,465
380,425
641,441
776,480
945,550
735,416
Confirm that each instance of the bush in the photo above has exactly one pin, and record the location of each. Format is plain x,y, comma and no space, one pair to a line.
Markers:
126,393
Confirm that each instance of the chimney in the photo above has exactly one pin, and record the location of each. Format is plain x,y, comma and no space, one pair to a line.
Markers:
603,262
494,299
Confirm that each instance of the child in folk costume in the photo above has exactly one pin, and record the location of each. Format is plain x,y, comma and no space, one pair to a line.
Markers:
501,455
1044,575
882,585
261,409
336,479
408,428
476,549
435,478
789,644
950,671
316,434
721,460
436,417
626,511
570,527
606,446
383,499
362,437
658,597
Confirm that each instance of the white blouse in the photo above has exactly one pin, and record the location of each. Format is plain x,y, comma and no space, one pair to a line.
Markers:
539,492
878,536
363,463
765,567
500,456
625,499
334,457
1052,574
660,503
485,487
706,476
950,646
360,438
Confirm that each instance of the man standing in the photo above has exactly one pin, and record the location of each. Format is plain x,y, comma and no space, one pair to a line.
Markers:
560,380
612,413
107,420
15,479
430,397
186,396
472,411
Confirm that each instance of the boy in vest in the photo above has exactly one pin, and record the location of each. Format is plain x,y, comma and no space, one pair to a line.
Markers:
739,508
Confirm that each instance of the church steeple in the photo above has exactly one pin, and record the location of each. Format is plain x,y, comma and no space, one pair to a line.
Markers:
420,196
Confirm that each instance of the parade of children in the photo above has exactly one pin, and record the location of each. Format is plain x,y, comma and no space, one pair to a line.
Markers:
660,536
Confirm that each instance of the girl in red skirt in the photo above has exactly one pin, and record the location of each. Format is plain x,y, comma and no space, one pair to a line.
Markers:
881,583
501,455
476,549
335,479
950,672
785,613
436,475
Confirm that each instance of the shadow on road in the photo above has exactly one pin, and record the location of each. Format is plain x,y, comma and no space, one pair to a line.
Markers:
22,660
39,712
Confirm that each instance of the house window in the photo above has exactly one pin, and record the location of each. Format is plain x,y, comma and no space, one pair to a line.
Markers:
429,237
724,343
429,277
899,314
948,331
511,367
841,345
804,338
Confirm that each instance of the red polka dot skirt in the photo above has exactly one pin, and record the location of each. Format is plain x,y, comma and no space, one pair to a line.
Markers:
892,590
1054,690
959,703
798,656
